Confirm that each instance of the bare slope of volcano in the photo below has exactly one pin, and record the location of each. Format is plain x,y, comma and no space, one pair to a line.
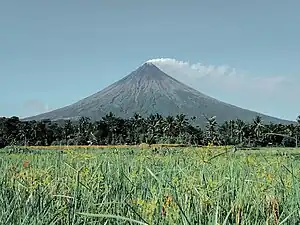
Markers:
149,90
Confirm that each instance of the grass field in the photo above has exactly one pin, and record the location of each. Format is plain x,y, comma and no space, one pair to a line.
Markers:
145,186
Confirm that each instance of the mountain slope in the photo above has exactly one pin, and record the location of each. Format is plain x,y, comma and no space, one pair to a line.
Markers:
149,90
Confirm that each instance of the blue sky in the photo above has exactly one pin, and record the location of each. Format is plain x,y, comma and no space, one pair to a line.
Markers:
53,53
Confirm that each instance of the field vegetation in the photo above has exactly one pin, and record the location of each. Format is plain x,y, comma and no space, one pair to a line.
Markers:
149,185
153,170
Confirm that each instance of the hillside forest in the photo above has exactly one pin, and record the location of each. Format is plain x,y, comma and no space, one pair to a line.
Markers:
154,129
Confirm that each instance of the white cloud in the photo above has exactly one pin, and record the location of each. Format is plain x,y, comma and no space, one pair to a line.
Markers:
261,93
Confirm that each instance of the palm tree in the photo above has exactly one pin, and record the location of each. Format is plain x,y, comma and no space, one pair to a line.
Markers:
181,123
138,125
239,130
225,131
154,125
211,129
169,127
257,129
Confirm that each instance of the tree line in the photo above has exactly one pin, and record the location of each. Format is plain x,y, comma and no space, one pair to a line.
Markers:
113,130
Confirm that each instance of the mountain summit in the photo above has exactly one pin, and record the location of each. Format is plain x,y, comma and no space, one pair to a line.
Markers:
148,90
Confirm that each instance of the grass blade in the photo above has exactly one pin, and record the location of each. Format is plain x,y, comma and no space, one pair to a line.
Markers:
111,217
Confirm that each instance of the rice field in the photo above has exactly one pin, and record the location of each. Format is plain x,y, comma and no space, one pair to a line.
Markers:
157,185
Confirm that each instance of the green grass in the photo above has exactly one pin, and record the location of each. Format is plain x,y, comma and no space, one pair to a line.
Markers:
137,186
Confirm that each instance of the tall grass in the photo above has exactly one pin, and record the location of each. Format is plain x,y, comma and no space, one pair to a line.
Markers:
140,186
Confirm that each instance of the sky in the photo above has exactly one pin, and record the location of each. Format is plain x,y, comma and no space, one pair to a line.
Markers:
54,53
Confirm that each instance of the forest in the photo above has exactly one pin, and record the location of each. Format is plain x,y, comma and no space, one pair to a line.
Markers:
112,130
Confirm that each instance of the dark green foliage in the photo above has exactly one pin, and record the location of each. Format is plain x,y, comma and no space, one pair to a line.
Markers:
113,130
2,142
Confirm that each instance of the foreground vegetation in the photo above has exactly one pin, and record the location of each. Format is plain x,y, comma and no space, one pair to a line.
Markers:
208,185
112,130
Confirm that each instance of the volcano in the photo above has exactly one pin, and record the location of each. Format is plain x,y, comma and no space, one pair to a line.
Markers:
148,90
